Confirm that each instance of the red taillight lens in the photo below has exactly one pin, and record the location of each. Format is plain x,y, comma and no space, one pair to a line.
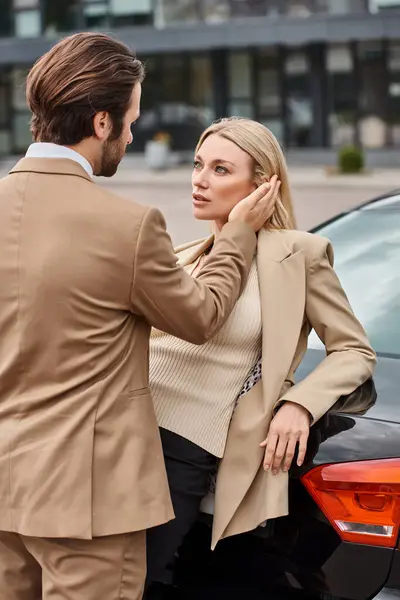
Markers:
360,499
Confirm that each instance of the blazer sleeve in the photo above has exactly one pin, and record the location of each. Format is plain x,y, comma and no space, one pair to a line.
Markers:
349,360
171,300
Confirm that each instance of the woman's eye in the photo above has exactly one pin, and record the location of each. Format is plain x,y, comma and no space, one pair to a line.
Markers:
220,169
196,164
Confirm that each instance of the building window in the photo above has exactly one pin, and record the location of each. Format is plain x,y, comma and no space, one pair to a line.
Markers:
19,89
60,16
201,90
384,5
28,24
241,103
240,75
372,93
341,94
127,13
342,7
298,98
216,11
27,18
170,12
253,8
95,14
22,136
299,8
178,100
5,132
5,18
394,91
3,103
25,4
269,93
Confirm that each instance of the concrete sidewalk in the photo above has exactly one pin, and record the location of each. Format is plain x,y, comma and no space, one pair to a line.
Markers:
133,170
303,176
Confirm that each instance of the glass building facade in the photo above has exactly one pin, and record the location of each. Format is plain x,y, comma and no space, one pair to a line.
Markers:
326,72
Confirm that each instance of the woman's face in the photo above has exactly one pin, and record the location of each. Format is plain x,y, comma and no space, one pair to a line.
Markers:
222,176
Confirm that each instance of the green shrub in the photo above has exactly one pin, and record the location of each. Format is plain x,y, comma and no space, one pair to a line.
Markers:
351,159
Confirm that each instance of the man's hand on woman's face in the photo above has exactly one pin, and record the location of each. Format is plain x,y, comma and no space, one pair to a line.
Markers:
289,427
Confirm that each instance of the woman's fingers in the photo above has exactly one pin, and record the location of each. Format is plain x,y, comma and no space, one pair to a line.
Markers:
259,195
258,207
270,446
290,427
265,205
265,194
279,453
275,450
252,210
302,448
290,450
271,198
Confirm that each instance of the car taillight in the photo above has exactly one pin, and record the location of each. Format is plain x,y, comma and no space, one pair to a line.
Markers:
360,499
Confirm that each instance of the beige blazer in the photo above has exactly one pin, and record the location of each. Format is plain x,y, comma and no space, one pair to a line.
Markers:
299,291
83,276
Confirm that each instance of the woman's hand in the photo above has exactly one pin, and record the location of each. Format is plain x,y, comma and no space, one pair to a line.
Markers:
257,208
289,427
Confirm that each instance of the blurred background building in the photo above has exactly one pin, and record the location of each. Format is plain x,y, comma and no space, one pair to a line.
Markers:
319,73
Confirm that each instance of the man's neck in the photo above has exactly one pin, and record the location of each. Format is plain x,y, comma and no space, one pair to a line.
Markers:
83,151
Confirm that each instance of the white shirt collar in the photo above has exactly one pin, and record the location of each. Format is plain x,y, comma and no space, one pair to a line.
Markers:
49,150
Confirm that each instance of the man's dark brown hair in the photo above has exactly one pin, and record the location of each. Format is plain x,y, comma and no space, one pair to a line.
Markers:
80,76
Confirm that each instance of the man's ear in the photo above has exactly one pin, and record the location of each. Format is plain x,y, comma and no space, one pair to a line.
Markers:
102,125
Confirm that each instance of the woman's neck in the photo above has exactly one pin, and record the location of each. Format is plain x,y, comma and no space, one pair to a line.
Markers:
216,227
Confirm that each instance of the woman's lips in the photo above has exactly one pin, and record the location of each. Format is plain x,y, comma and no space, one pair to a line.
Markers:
199,200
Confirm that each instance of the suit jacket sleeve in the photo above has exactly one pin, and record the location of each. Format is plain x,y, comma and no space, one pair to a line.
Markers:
350,360
170,299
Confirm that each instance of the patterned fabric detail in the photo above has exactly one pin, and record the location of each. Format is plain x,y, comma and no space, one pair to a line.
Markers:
252,379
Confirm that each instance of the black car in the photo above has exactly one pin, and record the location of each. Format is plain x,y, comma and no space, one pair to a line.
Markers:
341,538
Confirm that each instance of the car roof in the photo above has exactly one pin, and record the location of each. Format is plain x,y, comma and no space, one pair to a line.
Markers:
388,201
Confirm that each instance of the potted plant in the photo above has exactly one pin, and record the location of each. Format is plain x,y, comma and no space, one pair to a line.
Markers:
351,160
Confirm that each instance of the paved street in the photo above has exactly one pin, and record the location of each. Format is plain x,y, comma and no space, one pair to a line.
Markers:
317,196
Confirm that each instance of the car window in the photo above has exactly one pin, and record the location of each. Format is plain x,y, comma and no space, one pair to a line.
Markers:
367,259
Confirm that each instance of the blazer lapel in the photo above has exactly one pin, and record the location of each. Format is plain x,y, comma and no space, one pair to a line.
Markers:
188,253
282,289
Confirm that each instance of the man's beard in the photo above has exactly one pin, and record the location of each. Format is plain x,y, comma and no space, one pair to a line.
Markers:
113,153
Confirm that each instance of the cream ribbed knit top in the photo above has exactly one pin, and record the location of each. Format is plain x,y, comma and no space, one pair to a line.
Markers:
195,388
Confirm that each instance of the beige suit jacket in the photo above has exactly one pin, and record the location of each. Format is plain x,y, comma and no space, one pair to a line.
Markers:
84,274
299,291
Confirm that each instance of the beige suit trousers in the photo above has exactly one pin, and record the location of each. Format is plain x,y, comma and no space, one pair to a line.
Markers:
106,568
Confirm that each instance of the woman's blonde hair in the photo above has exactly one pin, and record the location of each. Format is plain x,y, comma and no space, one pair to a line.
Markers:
262,146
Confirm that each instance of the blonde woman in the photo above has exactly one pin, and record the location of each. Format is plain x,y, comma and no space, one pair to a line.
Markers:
292,288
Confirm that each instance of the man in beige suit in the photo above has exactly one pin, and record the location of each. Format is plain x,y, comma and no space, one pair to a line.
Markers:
84,274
